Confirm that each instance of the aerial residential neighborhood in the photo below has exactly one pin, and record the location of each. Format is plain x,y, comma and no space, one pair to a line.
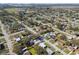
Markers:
39,29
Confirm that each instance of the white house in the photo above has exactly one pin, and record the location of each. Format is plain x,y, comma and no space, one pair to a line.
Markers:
37,41
18,39
42,45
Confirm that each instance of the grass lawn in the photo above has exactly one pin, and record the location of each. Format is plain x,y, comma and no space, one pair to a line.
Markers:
59,46
4,51
2,40
66,50
47,45
33,51
52,41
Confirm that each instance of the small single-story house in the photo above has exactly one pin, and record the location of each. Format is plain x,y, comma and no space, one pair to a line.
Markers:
18,39
42,45
49,51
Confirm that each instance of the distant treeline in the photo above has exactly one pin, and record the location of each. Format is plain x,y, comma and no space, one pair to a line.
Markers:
39,5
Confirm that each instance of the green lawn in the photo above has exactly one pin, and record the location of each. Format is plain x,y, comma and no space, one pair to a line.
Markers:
66,51
52,41
59,46
33,51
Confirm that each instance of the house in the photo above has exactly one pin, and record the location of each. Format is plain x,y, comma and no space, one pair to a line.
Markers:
30,43
29,36
71,37
42,45
24,49
40,38
49,51
37,41
18,39
26,53
75,47
46,35
52,35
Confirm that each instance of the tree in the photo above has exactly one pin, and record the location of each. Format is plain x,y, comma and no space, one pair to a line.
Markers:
68,43
17,48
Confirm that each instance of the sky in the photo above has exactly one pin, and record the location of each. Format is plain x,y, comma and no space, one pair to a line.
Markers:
39,1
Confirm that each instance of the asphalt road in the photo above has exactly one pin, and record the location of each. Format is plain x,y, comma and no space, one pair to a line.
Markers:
9,42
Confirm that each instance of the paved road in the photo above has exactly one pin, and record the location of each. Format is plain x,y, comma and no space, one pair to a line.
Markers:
9,42
13,34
